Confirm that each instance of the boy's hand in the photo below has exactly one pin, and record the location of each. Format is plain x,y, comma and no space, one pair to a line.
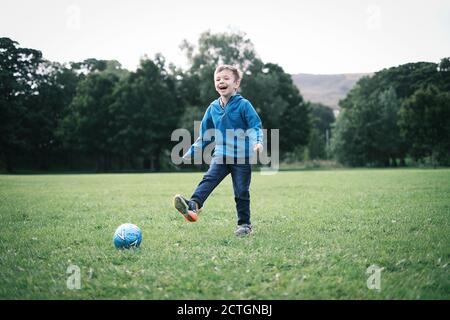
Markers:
258,148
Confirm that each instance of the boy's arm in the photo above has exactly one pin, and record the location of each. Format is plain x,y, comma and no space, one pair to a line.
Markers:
254,124
205,137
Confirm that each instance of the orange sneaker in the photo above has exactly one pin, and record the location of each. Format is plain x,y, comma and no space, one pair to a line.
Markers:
189,209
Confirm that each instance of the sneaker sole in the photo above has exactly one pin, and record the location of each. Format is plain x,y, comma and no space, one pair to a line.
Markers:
183,208
244,234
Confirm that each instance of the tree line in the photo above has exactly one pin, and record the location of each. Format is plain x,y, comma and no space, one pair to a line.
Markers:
398,113
95,115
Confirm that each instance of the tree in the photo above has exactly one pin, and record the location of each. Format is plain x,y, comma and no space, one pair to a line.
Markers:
87,126
18,82
146,111
322,117
213,49
270,90
55,90
286,110
90,65
391,143
425,121
367,131
444,75
346,143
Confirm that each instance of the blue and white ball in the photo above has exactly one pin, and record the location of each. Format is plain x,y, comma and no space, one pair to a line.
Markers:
127,236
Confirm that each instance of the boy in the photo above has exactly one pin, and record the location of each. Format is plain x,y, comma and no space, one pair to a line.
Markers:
230,113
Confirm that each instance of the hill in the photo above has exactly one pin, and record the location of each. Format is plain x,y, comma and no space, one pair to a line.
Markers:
326,88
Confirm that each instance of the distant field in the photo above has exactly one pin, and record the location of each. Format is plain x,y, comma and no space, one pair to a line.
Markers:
316,233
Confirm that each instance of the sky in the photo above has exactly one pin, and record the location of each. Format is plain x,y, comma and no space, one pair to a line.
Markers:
317,36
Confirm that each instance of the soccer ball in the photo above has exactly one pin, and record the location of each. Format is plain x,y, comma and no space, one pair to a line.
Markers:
127,236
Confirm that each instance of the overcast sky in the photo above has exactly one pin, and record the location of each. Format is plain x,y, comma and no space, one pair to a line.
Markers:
320,36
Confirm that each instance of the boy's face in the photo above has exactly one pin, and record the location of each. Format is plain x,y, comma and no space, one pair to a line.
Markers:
225,83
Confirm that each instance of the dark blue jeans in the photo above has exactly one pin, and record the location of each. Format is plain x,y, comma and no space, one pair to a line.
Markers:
241,176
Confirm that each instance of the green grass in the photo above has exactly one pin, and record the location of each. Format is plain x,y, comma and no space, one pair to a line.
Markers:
316,233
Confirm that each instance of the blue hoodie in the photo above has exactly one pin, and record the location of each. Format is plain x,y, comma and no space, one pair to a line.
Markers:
235,129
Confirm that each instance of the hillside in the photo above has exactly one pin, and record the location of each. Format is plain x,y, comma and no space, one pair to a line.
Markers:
327,89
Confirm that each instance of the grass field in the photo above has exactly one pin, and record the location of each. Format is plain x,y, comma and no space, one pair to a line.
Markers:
315,235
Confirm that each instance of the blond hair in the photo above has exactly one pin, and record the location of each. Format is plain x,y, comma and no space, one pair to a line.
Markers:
236,73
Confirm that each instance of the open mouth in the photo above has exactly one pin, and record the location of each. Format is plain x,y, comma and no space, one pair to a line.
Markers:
222,87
